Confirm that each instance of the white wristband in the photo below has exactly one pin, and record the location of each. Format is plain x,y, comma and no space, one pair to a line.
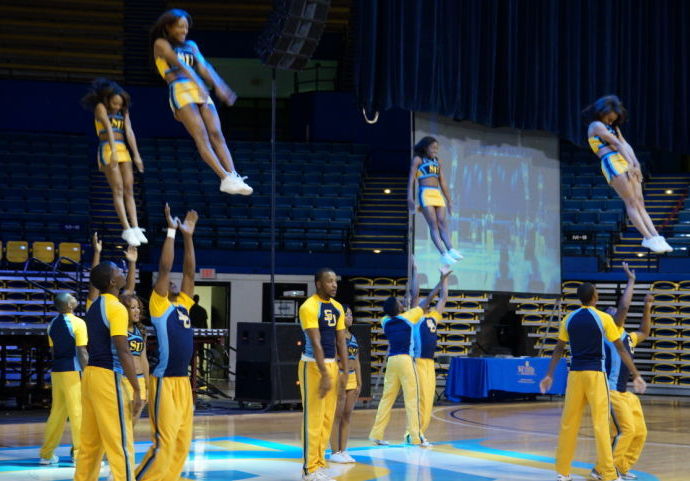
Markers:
172,232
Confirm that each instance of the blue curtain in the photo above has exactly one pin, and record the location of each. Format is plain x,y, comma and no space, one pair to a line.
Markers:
530,64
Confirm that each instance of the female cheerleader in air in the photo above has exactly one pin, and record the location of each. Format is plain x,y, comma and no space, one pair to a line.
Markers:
620,166
187,74
434,199
347,397
110,106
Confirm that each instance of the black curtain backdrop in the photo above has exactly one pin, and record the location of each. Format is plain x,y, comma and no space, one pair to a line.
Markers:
530,64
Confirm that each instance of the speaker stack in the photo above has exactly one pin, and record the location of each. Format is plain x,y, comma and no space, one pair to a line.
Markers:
255,373
292,33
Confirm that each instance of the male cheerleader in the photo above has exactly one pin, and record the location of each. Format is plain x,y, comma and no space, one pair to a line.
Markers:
67,339
628,426
425,339
586,329
323,322
171,407
108,406
401,371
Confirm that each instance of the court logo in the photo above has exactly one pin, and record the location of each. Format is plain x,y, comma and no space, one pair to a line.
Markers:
526,370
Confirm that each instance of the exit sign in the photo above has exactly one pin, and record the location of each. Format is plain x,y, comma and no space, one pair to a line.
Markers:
208,273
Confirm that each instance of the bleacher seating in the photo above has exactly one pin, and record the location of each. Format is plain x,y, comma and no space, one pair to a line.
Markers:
45,194
317,191
661,359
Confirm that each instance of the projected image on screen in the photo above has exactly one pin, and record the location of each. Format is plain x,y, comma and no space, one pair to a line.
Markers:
505,193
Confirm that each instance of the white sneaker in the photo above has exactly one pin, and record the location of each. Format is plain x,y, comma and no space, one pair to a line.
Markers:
139,232
380,442
653,245
663,244
628,476
349,458
594,474
338,457
560,477
131,237
448,259
325,474
425,444
234,184
456,254
50,461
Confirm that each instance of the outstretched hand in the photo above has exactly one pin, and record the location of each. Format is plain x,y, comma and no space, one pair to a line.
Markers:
190,220
649,298
131,254
629,272
172,223
96,243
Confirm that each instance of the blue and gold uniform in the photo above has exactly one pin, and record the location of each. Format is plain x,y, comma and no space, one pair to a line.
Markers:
171,407
117,125
66,332
182,91
425,348
586,329
628,425
137,342
429,196
612,162
106,396
352,356
400,372
328,316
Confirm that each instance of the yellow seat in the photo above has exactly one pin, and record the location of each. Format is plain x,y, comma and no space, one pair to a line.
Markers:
684,286
664,356
662,297
17,252
665,332
43,251
664,321
361,280
664,368
664,286
684,380
663,379
70,250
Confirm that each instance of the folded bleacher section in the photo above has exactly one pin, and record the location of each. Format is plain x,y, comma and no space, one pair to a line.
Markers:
317,186
663,359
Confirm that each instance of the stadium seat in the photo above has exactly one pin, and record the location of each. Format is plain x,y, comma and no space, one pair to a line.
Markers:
43,251
17,252
69,250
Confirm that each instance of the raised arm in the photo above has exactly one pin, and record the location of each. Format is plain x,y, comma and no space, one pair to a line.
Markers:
189,264
646,325
132,141
206,71
97,246
131,255
165,264
163,49
102,116
426,302
443,296
413,286
626,298
410,184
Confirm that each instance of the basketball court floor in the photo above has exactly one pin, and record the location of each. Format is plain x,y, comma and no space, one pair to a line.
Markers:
472,442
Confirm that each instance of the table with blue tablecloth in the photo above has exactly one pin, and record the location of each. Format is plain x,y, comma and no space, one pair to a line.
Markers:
475,377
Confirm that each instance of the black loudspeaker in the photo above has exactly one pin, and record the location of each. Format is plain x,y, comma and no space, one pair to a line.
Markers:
254,380
292,33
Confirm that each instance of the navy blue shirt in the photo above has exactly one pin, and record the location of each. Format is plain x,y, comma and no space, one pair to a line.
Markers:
425,335
586,329
398,331
65,333
616,370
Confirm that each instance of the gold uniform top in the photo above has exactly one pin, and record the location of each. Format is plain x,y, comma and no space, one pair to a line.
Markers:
326,316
